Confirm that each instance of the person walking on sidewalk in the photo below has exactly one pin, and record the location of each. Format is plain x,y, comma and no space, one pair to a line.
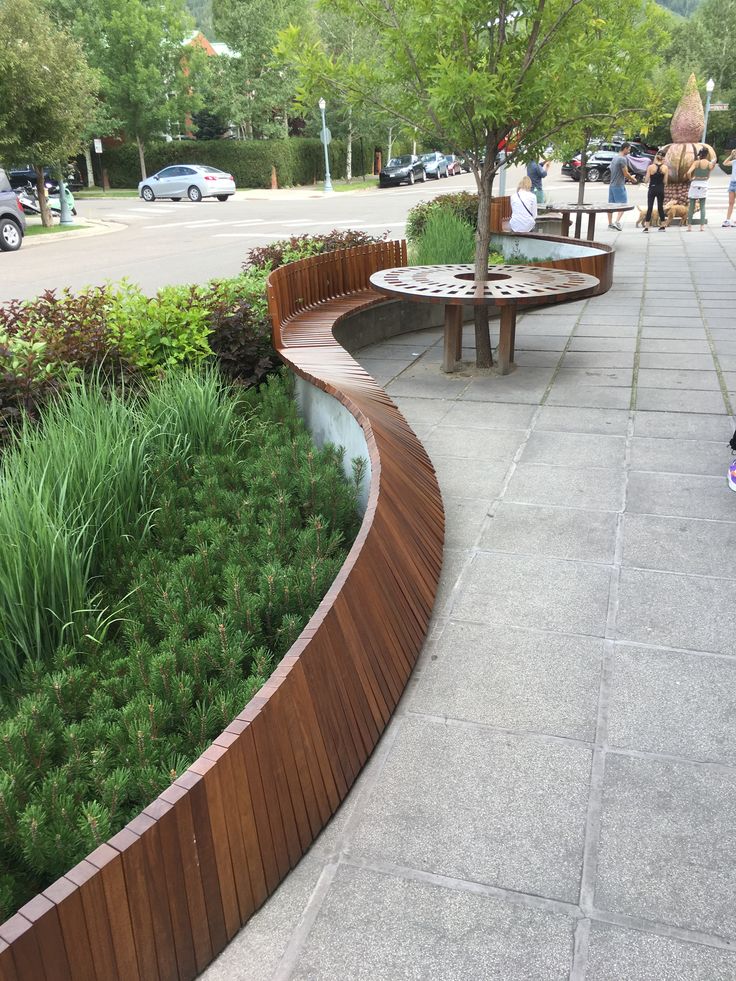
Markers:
698,174
729,161
536,171
657,175
617,188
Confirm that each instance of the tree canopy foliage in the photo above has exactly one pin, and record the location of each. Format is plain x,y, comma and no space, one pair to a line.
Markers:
514,75
47,90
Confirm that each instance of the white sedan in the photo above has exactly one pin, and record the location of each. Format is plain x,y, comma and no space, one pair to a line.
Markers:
194,181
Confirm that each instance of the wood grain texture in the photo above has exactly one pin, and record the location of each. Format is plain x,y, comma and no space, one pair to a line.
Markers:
164,895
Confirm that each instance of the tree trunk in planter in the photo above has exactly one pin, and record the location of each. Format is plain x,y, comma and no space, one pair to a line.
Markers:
483,354
43,201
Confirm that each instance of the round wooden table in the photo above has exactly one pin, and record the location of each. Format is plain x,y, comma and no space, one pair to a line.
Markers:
507,287
591,210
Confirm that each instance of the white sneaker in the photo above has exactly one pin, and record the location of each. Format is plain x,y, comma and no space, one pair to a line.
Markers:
617,225
726,224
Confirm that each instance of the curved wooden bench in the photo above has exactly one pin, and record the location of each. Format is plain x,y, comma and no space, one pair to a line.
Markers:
164,896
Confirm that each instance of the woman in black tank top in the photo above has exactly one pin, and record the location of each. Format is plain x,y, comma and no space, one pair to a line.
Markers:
657,173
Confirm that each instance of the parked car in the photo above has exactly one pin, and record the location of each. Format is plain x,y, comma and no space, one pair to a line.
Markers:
454,166
194,181
435,164
12,219
405,169
25,174
600,157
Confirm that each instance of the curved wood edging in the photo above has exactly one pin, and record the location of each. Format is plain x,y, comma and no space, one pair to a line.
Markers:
163,897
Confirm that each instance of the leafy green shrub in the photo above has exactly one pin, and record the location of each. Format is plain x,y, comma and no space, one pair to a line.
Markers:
246,532
303,246
463,205
121,331
445,239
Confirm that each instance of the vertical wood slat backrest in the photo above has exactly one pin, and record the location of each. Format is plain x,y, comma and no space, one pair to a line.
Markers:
163,897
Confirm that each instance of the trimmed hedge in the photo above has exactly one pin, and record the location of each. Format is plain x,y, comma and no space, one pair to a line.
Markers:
298,160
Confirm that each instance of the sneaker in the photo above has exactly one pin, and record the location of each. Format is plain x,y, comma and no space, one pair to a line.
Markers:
732,475
726,224
611,225
645,229
617,226
663,228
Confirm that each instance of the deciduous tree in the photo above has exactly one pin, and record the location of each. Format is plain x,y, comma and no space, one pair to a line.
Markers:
474,77
47,91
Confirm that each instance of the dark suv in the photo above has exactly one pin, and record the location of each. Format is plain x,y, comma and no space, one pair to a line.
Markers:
599,160
12,219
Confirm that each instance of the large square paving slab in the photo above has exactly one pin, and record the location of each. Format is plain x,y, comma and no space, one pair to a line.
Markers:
513,679
671,702
469,803
667,843
616,954
535,592
691,612
378,927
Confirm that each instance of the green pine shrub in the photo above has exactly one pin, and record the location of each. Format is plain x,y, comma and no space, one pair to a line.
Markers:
242,528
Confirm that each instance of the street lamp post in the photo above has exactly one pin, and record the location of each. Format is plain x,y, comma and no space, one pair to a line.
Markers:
65,215
709,86
325,137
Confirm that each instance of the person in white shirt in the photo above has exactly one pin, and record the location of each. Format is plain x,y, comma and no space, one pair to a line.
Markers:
523,207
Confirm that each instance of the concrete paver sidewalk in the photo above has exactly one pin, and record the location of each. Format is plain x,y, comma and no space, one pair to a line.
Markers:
556,795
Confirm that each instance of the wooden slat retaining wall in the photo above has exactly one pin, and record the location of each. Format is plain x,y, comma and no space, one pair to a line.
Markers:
163,897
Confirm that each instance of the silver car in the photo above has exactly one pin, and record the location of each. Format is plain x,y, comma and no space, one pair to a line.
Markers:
194,181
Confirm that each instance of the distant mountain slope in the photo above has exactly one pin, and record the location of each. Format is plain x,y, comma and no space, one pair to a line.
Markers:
684,7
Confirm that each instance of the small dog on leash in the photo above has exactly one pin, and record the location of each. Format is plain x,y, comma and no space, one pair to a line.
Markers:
642,216
673,210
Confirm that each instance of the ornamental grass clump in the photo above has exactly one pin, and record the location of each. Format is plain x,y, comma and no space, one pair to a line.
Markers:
445,239
238,526
76,488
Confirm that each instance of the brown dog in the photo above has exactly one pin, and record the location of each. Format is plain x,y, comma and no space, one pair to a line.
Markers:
673,210
642,215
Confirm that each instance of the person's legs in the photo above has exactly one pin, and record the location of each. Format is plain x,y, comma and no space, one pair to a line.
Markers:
702,214
731,200
659,194
690,213
651,193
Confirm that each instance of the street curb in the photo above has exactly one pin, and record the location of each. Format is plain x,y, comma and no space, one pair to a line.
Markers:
91,227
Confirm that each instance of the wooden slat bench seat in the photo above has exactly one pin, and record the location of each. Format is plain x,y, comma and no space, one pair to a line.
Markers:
163,897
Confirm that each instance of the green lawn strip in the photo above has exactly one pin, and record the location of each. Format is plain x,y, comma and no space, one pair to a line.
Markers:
355,185
244,528
96,193
33,230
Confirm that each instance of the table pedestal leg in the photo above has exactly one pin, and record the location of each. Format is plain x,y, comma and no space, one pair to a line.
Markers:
578,223
566,223
453,336
591,226
507,338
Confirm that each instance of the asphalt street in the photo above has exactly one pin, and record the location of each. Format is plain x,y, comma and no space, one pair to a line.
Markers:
180,242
